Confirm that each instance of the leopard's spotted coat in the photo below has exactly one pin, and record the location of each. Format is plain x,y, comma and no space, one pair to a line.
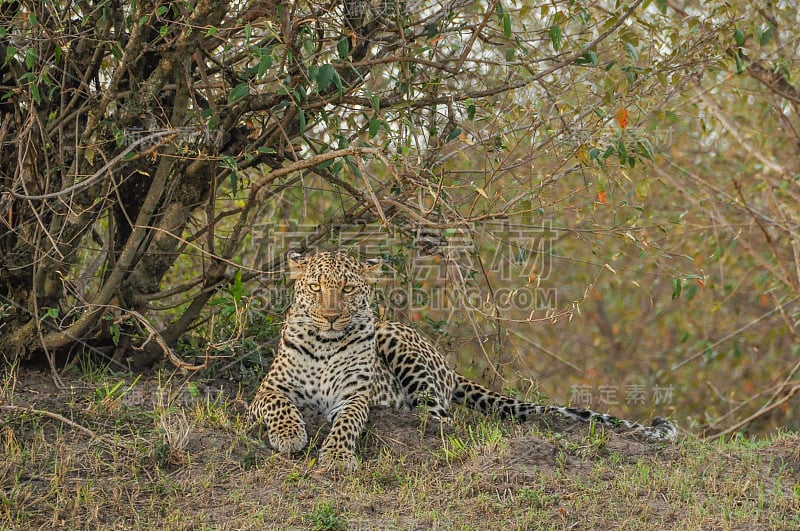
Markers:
335,356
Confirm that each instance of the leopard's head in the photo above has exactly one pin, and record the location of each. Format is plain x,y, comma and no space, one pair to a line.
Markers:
332,291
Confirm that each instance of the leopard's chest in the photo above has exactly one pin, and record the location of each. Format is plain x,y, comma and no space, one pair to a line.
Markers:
325,374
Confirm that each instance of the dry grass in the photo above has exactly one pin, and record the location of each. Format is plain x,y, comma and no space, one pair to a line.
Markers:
187,463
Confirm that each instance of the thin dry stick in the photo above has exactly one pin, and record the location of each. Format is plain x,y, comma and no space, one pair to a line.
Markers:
553,355
735,131
99,173
168,352
776,391
761,412
56,416
678,365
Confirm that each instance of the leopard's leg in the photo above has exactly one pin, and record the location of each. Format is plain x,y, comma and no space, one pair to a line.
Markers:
285,425
339,448
418,372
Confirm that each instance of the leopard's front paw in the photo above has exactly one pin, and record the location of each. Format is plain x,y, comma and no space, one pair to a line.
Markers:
289,441
334,462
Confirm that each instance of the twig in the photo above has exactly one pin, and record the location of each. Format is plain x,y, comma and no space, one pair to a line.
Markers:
99,173
678,365
553,355
168,352
761,412
735,131
56,416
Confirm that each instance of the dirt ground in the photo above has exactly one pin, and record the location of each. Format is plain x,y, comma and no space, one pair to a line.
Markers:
149,453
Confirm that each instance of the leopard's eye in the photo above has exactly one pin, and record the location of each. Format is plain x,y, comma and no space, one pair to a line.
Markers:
313,286
348,289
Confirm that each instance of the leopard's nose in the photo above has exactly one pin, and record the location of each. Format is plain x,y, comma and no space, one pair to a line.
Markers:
332,317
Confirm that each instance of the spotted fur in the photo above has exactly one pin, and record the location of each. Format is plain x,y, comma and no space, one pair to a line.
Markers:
334,356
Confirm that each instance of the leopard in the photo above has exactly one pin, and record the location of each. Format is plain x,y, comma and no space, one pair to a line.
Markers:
334,355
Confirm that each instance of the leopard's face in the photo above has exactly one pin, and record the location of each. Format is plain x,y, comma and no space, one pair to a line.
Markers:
332,292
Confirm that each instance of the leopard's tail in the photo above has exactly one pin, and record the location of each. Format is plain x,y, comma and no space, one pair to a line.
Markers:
479,398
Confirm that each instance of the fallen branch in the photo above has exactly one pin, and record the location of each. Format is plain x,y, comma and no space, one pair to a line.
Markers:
55,416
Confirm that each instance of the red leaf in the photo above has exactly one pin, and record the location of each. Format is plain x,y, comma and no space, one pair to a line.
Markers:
622,117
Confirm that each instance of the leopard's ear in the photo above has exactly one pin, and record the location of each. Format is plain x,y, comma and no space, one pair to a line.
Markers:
372,269
297,265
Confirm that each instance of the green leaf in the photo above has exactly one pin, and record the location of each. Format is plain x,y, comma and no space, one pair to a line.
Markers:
631,52
622,151
374,126
10,53
51,313
325,76
324,165
662,6
235,289
555,37
589,58
507,25
431,30
229,162
30,58
301,120
115,332
453,134
738,61
234,178
646,149
765,35
211,31
338,82
353,166
194,392
37,98
343,47
738,36
471,111
162,10
239,91
162,31
677,286
265,62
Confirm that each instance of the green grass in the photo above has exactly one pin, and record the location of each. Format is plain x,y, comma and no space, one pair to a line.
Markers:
188,462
